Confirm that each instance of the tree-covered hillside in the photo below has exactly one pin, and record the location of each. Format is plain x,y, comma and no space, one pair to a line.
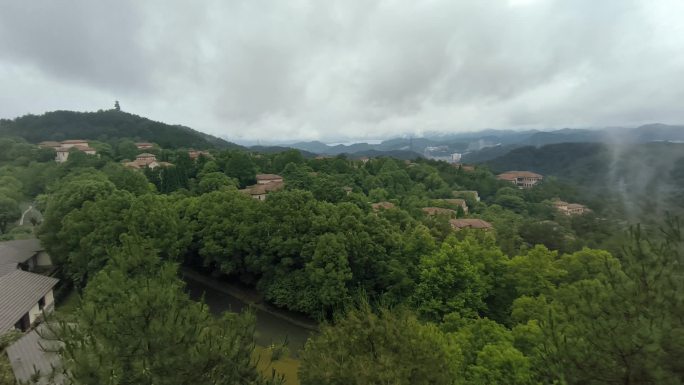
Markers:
372,249
107,126
641,180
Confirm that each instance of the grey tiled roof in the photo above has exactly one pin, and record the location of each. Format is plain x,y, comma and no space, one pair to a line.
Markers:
32,353
6,268
19,251
19,292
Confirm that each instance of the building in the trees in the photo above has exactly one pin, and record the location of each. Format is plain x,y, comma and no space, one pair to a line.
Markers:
50,144
74,143
260,191
71,145
26,254
470,223
522,179
467,194
144,145
459,202
194,154
382,205
438,211
146,160
268,178
570,208
464,167
25,296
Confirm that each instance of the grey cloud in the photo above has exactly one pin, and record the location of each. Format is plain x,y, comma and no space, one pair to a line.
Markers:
92,42
311,69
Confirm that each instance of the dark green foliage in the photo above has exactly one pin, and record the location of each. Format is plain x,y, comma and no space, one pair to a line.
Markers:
67,195
637,181
135,325
105,126
240,166
387,347
9,212
127,179
524,303
607,321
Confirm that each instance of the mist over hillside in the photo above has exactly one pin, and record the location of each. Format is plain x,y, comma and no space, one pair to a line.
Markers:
643,180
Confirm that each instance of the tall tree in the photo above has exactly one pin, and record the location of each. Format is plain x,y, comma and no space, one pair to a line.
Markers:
449,282
620,324
388,347
9,212
136,325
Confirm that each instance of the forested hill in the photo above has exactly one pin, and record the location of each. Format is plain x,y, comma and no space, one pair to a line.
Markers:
647,178
107,126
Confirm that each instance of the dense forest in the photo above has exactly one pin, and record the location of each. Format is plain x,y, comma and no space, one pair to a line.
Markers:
106,126
401,297
640,182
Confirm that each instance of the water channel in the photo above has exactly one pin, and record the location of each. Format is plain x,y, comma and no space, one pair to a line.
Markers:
272,326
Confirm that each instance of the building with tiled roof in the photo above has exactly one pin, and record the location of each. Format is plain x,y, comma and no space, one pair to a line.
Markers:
146,160
570,208
522,179
144,145
382,205
49,144
470,223
438,211
27,254
260,191
67,146
24,297
194,154
268,178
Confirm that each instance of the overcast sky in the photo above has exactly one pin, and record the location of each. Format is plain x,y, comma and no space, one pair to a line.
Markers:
330,70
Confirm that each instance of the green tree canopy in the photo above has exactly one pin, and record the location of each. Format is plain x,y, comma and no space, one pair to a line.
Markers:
387,347
136,325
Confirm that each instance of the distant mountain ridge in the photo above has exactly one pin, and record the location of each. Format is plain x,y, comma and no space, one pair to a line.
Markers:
489,144
106,126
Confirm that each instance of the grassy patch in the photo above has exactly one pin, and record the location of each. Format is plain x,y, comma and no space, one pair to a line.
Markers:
285,366
6,374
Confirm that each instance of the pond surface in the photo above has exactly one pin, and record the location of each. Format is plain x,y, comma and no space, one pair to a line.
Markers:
269,327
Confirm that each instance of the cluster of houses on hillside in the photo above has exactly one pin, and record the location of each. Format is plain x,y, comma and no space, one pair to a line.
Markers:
142,161
457,224
63,148
27,293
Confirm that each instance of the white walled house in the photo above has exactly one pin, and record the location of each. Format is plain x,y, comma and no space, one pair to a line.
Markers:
70,145
24,297
24,294
27,253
